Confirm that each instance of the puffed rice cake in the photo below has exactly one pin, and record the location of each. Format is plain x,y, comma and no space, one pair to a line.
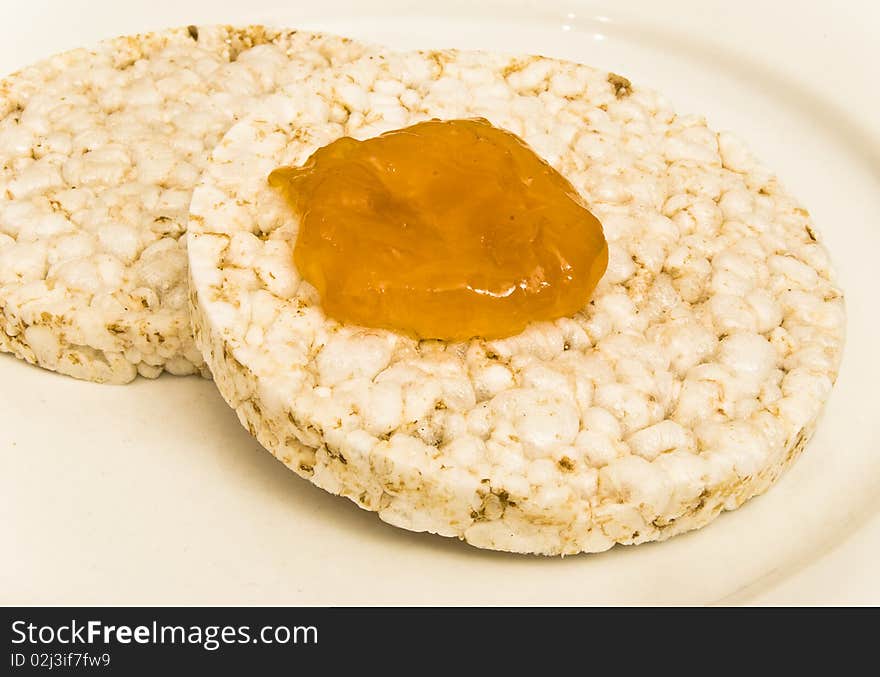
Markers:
99,152
688,383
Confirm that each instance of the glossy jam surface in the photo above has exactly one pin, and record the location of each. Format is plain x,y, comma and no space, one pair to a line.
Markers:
443,230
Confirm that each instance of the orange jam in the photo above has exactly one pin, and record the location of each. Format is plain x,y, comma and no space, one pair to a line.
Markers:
443,230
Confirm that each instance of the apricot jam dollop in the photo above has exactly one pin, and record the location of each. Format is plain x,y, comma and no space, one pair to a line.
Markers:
443,230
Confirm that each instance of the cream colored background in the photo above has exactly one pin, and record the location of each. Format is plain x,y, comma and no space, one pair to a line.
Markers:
151,493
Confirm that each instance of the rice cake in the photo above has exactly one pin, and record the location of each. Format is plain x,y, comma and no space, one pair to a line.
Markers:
690,381
99,152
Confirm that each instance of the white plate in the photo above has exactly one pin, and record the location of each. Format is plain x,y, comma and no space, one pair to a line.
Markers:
152,493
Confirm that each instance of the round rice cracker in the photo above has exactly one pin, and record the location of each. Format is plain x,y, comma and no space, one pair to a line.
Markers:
99,152
688,383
